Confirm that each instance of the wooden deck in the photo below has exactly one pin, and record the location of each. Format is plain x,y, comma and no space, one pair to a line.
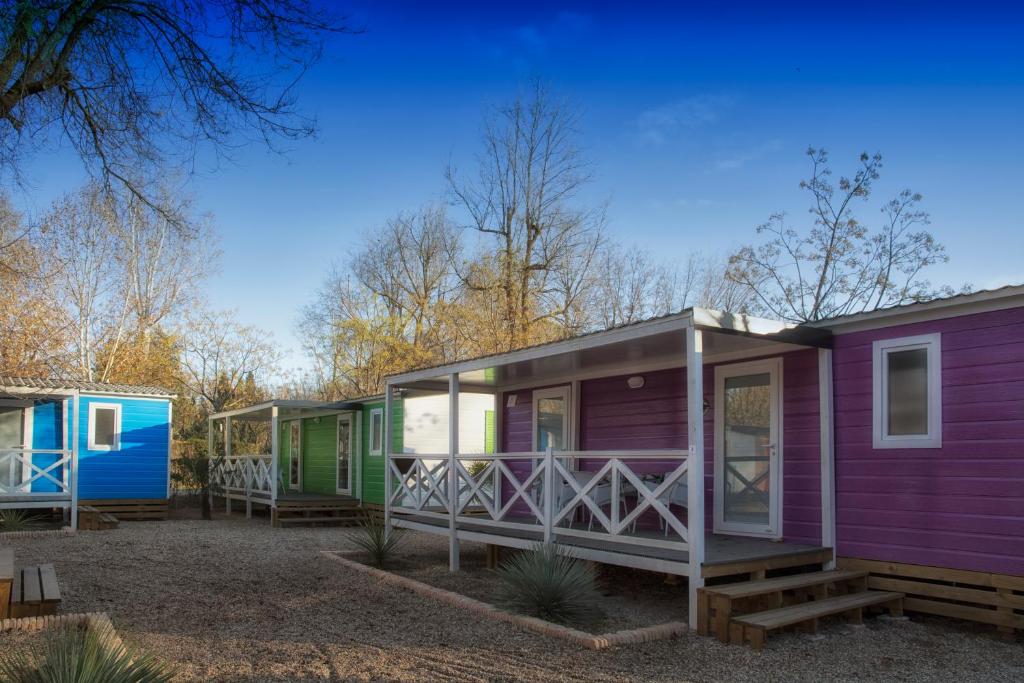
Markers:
724,555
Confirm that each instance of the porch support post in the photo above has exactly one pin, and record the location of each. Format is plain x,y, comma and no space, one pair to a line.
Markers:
695,469
389,392
275,448
453,475
209,456
74,459
227,454
826,414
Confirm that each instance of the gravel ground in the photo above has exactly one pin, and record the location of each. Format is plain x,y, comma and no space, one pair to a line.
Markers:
235,600
627,599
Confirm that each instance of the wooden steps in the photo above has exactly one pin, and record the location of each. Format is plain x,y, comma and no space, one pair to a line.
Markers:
751,629
91,519
34,592
6,579
131,509
324,511
744,612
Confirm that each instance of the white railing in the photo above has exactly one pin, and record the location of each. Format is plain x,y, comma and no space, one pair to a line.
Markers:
244,476
612,496
21,472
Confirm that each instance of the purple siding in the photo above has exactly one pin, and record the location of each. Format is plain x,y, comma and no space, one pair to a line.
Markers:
959,506
615,417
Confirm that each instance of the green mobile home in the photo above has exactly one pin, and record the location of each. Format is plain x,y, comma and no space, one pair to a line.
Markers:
325,460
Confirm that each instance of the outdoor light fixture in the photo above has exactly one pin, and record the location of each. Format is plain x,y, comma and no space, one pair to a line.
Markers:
511,401
635,382
707,405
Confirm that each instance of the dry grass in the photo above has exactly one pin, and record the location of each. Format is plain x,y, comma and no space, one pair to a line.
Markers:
235,600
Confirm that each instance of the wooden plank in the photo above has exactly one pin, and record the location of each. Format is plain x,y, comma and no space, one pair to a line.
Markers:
966,612
766,563
986,579
807,611
751,588
6,580
947,592
48,583
17,606
32,589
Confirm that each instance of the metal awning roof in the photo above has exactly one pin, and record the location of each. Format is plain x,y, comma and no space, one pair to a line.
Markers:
22,387
642,345
287,408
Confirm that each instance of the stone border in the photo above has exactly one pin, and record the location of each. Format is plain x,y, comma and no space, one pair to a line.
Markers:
98,621
63,531
545,628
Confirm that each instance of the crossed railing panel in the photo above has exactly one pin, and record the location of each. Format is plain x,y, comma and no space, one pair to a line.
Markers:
19,470
617,494
249,473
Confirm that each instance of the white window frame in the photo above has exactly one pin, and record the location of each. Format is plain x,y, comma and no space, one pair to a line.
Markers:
563,392
380,449
881,349
93,407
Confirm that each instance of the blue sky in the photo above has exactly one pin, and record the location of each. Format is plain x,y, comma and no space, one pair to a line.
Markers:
695,120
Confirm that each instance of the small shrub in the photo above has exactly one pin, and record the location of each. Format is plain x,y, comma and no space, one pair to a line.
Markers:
78,655
375,539
17,520
550,584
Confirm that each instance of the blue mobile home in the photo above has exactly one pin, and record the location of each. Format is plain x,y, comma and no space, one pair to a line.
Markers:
65,443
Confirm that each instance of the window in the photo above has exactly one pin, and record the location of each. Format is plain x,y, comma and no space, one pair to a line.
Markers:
907,392
377,431
104,426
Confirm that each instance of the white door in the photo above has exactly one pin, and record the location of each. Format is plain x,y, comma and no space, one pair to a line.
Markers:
344,472
748,448
12,435
551,423
295,455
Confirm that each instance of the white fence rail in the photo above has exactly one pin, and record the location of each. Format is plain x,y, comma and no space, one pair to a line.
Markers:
35,473
244,476
624,497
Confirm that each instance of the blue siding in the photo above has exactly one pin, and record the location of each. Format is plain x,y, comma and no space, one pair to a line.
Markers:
139,468
47,434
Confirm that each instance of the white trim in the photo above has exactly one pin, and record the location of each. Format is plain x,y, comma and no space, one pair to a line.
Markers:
565,393
292,424
27,427
880,350
376,452
357,418
968,304
91,443
346,417
170,442
826,427
772,366
694,467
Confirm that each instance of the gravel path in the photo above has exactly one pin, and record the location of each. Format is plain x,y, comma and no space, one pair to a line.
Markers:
235,600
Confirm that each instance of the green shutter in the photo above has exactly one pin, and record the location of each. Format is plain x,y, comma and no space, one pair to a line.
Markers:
489,432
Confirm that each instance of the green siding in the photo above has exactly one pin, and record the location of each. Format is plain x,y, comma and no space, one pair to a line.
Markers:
489,431
373,465
319,459
284,447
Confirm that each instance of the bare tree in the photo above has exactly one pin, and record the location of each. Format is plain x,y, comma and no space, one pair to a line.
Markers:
132,84
222,360
522,201
839,266
81,233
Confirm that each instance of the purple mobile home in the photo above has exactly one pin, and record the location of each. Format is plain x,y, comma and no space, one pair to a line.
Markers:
889,443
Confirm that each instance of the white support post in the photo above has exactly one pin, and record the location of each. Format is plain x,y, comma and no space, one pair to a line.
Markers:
209,457
389,444
74,459
227,454
453,476
275,447
695,466
65,448
549,495
826,415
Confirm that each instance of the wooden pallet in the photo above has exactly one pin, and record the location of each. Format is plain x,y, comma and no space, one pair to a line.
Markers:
752,629
35,592
131,509
718,604
996,599
91,519
343,512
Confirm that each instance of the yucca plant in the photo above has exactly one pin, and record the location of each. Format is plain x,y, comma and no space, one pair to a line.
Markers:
17,520
549,583
375,539
70,654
